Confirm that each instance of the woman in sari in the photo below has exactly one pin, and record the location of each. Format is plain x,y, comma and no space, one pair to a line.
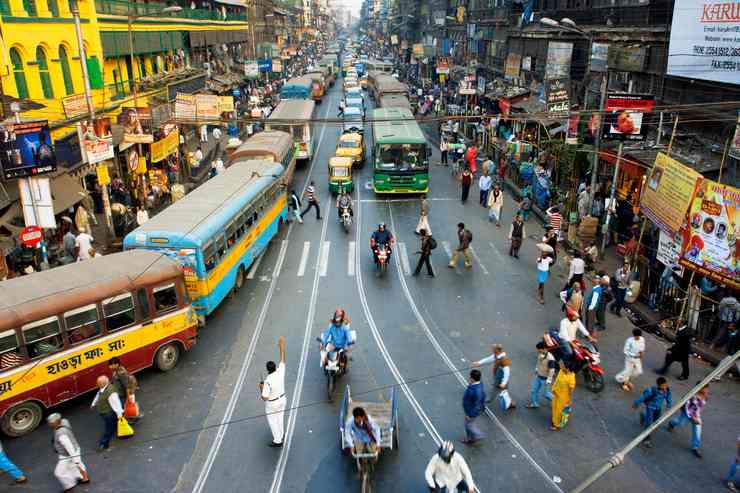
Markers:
562,396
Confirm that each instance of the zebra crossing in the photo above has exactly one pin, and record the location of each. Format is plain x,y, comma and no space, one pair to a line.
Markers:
343,254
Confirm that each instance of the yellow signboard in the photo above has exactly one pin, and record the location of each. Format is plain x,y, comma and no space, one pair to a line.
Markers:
163,148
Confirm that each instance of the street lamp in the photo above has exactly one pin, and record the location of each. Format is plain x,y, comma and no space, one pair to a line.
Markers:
131,19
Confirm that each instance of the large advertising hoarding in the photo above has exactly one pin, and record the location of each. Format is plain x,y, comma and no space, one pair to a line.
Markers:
704,40
26,150
623,116
558,60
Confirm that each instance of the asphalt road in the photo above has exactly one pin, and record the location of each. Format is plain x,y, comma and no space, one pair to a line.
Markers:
204,428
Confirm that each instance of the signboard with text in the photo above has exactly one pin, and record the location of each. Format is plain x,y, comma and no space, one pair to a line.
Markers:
26,150
558,60
557,95
624,114
75,105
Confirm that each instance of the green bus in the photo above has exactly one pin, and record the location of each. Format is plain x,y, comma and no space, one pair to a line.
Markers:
400,152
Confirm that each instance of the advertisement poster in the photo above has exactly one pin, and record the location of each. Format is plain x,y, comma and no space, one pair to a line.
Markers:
133,131
26,150
443,65
185,107
165,147
206,107
527,63
225,104
599,57
623,115
735,144
513,63
667,193
75,105
574,121
557,95
669,251
710,240
96,139
558,60
704,40
277,65
418,49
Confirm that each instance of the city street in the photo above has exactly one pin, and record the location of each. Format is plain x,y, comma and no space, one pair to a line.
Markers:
204,428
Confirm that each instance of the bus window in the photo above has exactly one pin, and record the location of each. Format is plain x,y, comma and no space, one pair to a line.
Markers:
165,298
143,301
119,312
221,248
42,337
209,257
250,218
10,354
82,324
231,234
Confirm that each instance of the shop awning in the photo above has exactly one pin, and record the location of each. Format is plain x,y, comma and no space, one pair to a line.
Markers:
65,192
238,3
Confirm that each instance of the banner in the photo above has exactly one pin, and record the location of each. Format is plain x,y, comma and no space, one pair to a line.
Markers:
443,65
667,193
735,144
704,40
623,115
277,65
511,68
599,57
669,251
75,105
710,240
96,140
558,60
264,65
185,106
132,129
557,95
206,107
163,148
225,104
26,150
527,63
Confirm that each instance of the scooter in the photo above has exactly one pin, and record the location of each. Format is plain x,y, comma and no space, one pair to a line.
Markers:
586,359
337,364
382,253
346,219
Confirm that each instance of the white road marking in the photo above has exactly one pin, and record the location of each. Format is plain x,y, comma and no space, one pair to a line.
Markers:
404,258
448,249
502,260
477,259
255,266
324,259
393,201
304,258
351,259
277,479
460,377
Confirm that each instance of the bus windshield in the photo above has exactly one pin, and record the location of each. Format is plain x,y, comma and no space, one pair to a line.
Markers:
403,157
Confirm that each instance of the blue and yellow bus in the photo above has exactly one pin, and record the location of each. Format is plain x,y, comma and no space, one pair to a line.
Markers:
218,230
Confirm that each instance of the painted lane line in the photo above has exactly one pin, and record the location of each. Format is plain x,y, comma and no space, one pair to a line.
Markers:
460,378
351,259
404,258
394,201
500,257
304,258
448,249
423,417
324,259
255,266
277,479
477,259
234,399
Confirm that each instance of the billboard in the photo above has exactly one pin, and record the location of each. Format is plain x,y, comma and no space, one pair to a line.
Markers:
710,239
512,66
96,140
599,57
75,105
735,144
26,150
558,60
623,116
667,193
557,95
703,43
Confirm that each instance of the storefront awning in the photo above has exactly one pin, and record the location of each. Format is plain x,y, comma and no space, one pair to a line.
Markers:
65,192
238,3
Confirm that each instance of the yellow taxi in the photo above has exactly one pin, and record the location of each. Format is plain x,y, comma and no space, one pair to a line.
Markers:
351,144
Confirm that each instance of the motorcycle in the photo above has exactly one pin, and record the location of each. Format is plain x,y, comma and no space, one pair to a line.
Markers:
382,254
337,364
586,359
346,219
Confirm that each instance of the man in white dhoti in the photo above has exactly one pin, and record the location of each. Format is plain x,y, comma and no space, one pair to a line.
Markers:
69,470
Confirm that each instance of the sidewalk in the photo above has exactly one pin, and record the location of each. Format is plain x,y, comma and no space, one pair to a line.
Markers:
638,312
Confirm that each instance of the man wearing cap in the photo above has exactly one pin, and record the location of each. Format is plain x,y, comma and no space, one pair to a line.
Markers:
570,326
69,470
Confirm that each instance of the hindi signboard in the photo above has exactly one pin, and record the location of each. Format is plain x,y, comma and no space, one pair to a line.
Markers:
74,105
185,106
206,107
667,193
710,239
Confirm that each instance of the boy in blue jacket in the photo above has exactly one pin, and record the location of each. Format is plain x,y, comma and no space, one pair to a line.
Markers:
653,398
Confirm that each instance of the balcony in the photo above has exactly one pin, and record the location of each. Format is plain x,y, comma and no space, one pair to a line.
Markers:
124,8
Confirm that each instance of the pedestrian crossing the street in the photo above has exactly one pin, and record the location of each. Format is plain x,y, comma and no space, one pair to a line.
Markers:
340,254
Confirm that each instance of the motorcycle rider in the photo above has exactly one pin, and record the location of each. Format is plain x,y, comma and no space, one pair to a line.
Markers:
381,237
336,336
448,470
569,329
344,201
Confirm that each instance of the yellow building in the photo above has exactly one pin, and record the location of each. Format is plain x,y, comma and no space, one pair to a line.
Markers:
41,61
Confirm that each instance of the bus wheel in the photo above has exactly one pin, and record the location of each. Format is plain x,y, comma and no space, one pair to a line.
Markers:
21,419
239,282
167,357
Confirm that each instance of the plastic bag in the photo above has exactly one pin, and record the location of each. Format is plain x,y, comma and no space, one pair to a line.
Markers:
124,429
504,400
131,408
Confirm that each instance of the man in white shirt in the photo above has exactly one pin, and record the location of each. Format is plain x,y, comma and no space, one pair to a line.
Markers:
108,405
218,165
569,329
70,469
217,133
484,184
272,391
83,243
448,469
204,133
577,268
197,158
634,348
